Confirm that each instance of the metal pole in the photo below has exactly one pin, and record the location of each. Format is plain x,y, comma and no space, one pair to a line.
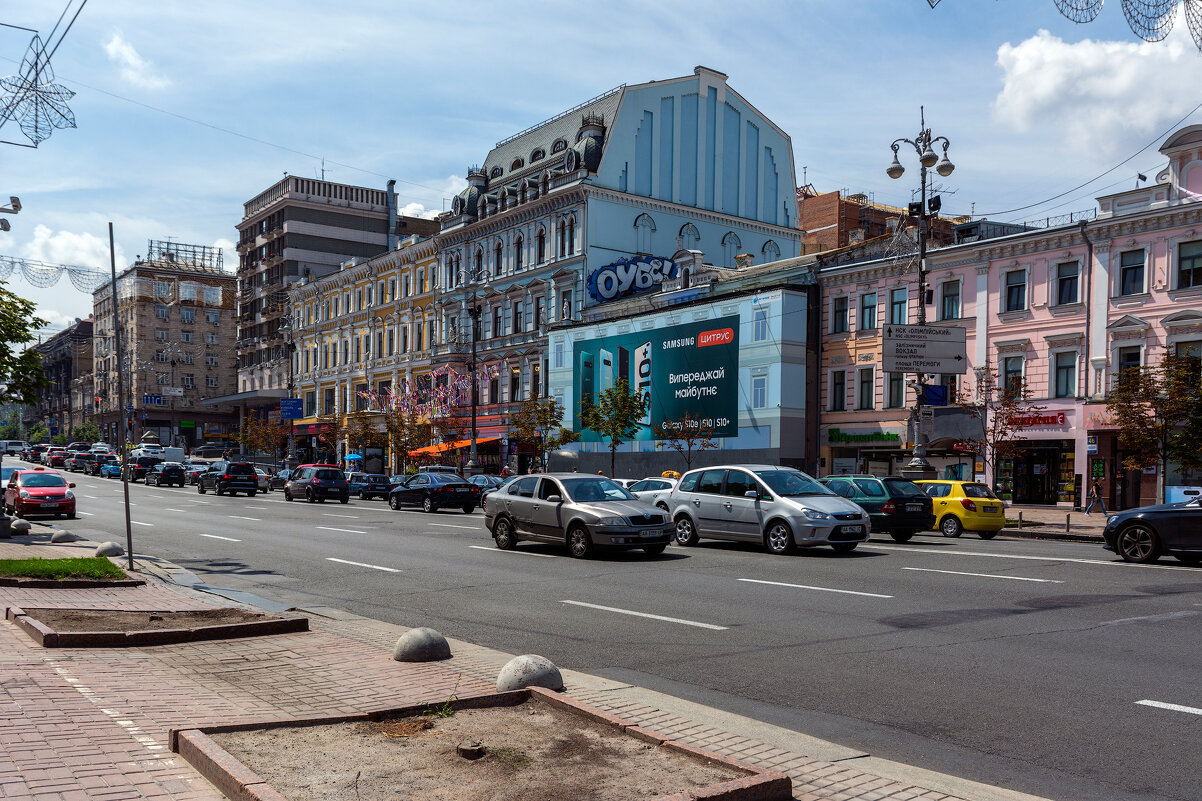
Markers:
473,315
129,533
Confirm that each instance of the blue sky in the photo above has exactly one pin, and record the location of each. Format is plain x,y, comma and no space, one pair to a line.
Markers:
186,110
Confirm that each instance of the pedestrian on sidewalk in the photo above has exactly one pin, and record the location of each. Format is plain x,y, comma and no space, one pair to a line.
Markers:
1095,496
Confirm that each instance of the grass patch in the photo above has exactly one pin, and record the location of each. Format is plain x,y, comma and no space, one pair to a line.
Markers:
510,756
94,567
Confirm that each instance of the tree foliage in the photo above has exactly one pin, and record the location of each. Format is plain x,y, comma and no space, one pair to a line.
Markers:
1151,407
687,436
361,432
20,367
260,435
330,432
1002,410
616,415
533,422
405,432
39,434
86,432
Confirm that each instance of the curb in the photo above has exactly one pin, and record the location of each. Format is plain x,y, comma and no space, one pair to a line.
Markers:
47,637
70,584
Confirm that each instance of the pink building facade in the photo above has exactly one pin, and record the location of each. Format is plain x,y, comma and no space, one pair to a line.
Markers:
1063,308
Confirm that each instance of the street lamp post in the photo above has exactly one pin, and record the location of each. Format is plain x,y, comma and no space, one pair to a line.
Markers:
927,158
473,310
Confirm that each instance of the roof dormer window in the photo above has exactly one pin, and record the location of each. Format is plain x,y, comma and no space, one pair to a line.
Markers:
559,146
538,154
516,164
495,172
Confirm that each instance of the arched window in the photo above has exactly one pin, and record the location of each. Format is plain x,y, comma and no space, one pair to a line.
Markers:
731,245
495,172
689,237
538,154
496,259
518,244
771,251
541,245
479,264
562,234
644,226
571,235
559,146
516,164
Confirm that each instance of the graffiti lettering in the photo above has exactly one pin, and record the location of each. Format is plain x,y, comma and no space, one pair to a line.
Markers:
628,276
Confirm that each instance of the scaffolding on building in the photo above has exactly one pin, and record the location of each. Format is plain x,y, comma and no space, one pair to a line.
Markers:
200,257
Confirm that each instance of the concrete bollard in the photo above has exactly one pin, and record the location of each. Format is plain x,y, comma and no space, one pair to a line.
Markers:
1068,522
64,536
421,645
20,526
529,670
109,549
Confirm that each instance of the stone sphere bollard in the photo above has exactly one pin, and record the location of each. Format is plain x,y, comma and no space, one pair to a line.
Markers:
20,526
421,645
529,670
63,536
109,549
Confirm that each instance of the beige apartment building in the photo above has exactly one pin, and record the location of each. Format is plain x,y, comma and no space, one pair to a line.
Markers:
175,311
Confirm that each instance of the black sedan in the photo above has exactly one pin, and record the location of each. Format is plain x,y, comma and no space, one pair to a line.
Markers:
431,491
1145,533
278,480
169,473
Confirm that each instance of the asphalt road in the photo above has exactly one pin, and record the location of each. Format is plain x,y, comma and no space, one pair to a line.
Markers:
1046,667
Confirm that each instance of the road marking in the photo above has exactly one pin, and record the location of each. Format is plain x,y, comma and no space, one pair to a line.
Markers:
519,553
331,514
184,511
215,537
347,530
681,621
89,514
259,508
362,564
240,517
1167,616
140,523
93,497
451,525
982,575
820,589
1193,710
1029,558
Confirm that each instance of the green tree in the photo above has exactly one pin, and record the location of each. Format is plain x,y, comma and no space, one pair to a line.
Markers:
361,432
331,432
405,432
39,434
687,436
533,422
60,439
1002,410
86,432
616,415
20,367
1150,406
260,435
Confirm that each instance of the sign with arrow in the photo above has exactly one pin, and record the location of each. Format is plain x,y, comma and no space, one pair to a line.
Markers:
924,349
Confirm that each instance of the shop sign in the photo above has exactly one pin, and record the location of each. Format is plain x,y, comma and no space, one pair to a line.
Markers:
836,435
626,277
1097,468
187,424
964,447
1091,444
1101,419
1032,420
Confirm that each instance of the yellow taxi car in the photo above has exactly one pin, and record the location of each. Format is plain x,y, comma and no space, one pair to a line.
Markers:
961,506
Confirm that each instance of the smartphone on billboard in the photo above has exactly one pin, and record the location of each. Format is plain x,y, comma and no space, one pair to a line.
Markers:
587,377
642,383
607,370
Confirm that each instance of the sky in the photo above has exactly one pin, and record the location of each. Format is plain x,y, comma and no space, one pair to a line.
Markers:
185,110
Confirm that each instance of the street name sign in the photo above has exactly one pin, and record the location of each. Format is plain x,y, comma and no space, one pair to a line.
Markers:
924,349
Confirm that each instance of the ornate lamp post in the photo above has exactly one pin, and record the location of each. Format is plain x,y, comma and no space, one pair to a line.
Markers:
927,158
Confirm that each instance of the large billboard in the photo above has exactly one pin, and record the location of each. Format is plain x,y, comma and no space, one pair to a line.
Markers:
685,370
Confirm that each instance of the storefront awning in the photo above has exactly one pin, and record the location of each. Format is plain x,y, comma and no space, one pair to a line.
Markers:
450,446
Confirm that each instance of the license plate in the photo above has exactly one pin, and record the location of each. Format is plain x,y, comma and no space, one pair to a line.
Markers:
653,533
854,529
913,507
990,508
49,505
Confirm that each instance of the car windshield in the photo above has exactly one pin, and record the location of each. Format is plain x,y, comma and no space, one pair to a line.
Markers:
977,491
791,483
901,487
377,478
328,475
585,490
43,480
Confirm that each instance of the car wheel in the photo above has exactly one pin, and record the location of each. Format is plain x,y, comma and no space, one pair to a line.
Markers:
217,490
580,544
986,535
686,532
309,496
1138,543
71,516
901,536
345,499
200,488
950,526
779,538
844,547
394,503
468,509
428,504
363,496
287,495
502,534
654,550
663,507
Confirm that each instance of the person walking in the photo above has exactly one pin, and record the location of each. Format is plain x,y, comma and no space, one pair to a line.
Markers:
1095,497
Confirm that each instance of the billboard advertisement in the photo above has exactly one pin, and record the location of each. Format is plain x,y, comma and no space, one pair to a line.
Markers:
685,370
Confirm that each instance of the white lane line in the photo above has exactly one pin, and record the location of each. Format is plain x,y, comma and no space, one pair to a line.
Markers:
1167,616
331,514
347,530
450,525
176,510
631,612
1193,710
820,589
93,497
519,553
89,514
259,508
240,517
140,523
1029,558
363,564
215,537
982,575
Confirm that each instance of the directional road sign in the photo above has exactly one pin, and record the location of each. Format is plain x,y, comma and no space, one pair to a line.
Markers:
924,349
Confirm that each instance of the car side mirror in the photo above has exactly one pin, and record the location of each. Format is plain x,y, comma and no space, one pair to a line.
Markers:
71,485
554,499
755,496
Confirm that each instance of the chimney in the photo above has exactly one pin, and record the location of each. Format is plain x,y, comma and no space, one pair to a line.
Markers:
391,215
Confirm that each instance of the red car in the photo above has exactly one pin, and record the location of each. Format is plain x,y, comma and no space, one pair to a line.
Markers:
39,492
56,457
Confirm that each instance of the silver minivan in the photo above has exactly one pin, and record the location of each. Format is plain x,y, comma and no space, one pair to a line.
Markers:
778,506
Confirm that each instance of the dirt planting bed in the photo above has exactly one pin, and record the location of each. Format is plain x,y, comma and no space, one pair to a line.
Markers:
110,628
532,747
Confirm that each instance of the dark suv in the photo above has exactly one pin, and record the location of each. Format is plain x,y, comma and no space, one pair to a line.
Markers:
898,507
168,473
231,477
81,462
317,482
137,468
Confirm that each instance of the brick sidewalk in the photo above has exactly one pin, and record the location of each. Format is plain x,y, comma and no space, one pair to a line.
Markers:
93,723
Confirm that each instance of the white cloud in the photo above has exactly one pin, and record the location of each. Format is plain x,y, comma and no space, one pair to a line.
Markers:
65,247
1099,96
134,68
229,253
450,187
